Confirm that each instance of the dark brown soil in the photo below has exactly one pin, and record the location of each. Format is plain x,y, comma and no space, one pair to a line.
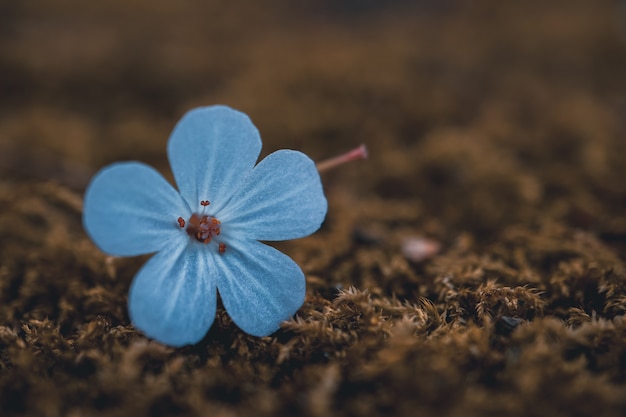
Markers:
497,129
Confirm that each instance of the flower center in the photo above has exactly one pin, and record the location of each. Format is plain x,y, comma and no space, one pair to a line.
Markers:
203,227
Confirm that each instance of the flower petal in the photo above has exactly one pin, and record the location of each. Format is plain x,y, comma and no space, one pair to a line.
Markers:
130,209
173,298
210,150
260,286
281,199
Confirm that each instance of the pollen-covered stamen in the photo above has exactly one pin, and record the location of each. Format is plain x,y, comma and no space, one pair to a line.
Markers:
203,228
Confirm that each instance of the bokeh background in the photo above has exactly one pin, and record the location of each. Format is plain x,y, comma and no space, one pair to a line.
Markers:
496,133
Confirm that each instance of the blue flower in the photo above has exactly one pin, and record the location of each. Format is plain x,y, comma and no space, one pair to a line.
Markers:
206,235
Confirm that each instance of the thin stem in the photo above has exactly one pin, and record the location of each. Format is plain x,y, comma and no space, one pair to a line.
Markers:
353,155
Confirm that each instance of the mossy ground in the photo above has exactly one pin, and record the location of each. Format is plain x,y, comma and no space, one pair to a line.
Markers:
496,129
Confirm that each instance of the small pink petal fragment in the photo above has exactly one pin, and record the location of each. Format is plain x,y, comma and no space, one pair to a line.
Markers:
418,249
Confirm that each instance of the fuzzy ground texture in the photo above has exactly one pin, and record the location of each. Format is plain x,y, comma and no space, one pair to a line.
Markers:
474,265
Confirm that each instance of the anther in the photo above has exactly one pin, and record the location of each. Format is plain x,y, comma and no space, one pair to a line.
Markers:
181,222
222,248
204,203
203,228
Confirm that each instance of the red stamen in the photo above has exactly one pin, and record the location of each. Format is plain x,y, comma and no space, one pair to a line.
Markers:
203,227
353,155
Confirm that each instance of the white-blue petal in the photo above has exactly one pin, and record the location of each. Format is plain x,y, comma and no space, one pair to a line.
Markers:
260,286
281,199
210,150
130,209
173,297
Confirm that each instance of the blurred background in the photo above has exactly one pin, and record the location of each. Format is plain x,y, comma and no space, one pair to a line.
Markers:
486,112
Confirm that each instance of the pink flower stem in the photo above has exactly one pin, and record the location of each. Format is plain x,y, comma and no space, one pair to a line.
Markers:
353,155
